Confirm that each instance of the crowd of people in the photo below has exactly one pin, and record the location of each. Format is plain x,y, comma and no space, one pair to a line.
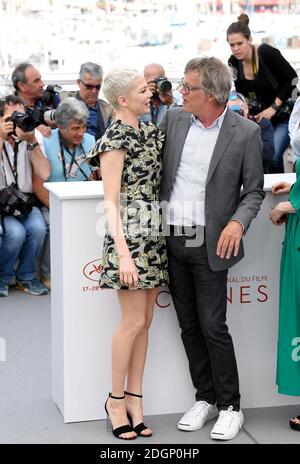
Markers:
183,176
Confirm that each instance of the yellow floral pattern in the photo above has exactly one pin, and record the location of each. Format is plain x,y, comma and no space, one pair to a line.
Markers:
140,211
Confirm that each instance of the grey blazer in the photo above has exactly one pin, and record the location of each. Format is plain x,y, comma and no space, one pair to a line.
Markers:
236,162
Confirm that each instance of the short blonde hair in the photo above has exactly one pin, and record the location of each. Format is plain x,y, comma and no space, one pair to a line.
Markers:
118,82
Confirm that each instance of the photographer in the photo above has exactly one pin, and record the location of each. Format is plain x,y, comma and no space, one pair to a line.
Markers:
22,224
163,97
66,150
264,76
28,85
100,112
238,103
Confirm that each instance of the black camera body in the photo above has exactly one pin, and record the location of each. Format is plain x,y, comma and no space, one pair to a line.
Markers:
13,202
51,95
163,85
255,107
23,121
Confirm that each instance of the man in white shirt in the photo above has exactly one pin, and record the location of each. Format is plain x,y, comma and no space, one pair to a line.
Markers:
23,228
210,153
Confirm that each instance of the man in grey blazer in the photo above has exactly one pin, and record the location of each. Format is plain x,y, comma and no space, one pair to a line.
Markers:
210,154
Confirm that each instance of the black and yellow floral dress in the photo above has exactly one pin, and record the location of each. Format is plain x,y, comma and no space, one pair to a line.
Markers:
139,204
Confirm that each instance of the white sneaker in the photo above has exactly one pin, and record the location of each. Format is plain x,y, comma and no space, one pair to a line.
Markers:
228,424
196,417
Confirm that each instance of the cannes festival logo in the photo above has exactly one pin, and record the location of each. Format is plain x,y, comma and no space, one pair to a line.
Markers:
93,269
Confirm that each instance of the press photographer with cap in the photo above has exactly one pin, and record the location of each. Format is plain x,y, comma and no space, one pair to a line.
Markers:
22,225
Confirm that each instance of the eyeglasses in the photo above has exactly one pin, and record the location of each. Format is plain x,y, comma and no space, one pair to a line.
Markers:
186,88
91,86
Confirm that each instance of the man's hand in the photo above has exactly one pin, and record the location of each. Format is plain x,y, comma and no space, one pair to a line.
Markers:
28,137
44,130
6,127
152,87
281,187
166,98
230,239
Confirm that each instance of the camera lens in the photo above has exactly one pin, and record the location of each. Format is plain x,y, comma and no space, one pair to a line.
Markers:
164,85
23,121
49,115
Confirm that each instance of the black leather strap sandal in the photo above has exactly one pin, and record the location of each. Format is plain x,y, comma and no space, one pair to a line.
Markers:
124,428
139,428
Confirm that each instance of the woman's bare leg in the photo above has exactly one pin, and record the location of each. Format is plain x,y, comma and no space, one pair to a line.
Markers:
137,363
133,316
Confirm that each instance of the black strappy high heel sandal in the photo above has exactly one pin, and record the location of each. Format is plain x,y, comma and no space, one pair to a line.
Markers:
139,428
119,430
295,423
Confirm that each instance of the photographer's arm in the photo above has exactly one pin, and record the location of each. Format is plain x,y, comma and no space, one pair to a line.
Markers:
40,163
39,190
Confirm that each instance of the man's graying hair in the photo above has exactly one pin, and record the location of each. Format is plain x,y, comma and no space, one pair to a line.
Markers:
216,77
18,74
95,70
71,109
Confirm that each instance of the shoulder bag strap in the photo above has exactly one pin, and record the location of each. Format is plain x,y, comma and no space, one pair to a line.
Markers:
267,71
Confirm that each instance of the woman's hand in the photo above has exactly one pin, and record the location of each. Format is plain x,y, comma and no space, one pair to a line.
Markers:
278,217
268,113
128,273
281,187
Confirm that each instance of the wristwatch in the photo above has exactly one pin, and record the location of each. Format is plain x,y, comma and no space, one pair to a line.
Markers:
275,107
31,146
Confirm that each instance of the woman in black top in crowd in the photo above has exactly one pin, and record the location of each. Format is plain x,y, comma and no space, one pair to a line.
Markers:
263,76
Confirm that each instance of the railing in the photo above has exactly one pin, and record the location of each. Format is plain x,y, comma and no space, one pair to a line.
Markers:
68,81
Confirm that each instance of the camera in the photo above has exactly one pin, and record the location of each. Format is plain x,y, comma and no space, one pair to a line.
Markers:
44,108
13,202
49,115
51,95
163,85
22,120
255,107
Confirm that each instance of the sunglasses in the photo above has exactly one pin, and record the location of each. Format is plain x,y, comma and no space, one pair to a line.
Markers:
91,86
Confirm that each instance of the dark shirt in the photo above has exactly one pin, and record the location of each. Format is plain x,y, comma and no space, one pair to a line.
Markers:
274,78
92,122
99,117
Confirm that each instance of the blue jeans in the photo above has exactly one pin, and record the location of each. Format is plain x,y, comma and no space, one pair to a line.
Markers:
281,142
45,255
22,241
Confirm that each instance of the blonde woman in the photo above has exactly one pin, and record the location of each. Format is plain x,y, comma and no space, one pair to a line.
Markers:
134,253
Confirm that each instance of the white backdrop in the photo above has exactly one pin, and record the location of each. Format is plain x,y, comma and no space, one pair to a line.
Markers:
84,317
